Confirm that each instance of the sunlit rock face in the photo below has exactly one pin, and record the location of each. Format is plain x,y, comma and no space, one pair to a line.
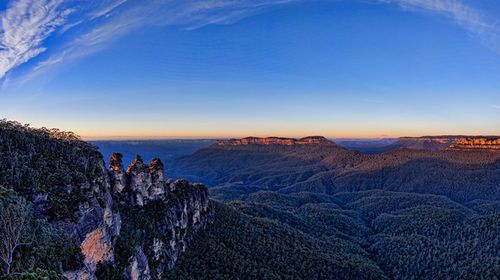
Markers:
489,143
146,181
117,172
436,143
97,247
141,198
97,227
138,268
311,140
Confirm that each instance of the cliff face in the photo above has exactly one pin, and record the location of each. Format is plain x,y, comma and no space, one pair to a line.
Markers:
451,143
491,143
311,140
151,220
167,214
97,227
274,144
88,221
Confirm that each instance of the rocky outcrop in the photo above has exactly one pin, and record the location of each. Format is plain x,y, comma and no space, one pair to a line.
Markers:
86,216
311,140
97,228
436,143
157,188
167,213
139,181
145,182
488,143
97,247
117,172
138,268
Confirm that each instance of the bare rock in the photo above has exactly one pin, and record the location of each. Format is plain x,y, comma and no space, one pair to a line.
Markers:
117,172
138,268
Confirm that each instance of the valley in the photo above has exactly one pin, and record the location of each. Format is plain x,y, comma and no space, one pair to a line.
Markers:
274,208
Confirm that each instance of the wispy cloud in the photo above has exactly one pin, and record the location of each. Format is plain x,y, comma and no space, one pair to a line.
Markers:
137,14
106,9
478,22
25,25
494,106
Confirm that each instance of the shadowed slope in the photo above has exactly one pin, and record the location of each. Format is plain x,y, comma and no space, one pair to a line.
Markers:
278,164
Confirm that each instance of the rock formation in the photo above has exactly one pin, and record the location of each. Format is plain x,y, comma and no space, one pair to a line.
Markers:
175,209
97,227
310,140
436,143
166,213
138,267
491,143
117,172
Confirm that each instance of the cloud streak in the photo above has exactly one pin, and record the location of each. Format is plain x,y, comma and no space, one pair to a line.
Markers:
475,21
27,24
135,15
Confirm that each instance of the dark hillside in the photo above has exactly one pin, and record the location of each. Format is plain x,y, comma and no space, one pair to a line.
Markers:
357,235
239,169
54,173
240,246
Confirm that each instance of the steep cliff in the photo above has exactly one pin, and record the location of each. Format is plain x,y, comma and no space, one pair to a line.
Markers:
84,220
435,143
159,218
310,140
492,143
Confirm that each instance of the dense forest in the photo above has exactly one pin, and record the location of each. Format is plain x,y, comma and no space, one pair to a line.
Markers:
359,235
409,216
45,174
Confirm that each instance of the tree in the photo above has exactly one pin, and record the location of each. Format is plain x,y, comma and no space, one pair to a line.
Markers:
15,217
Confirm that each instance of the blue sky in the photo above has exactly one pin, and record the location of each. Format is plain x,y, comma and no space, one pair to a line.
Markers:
227,68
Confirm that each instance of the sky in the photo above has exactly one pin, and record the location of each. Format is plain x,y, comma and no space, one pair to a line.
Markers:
118,69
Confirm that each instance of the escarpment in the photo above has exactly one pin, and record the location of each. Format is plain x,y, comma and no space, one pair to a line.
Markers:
85,221
147,222
492,143
165,213
310,140
435,143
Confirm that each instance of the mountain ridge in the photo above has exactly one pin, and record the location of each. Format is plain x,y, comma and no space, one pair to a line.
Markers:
461,174
309,140
450,142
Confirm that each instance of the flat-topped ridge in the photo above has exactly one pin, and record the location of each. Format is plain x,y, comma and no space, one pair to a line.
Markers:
310,140
456,142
